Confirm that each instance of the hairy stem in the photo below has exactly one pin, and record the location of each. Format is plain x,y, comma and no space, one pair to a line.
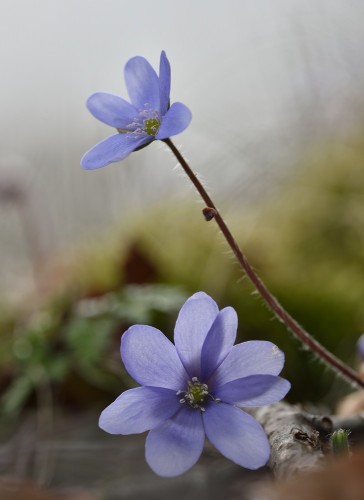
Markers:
300,333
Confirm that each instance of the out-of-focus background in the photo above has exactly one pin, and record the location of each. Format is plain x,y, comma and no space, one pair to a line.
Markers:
276,92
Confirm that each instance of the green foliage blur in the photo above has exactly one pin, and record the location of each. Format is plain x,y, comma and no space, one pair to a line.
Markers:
306,241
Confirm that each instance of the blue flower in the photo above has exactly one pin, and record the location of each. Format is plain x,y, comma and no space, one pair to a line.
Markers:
194,388
147,118
360,347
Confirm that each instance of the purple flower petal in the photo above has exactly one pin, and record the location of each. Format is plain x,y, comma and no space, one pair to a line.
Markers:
256,390
237,435
151,359
219,341
360,346
193,324
139,410
112,110
176,445
114,148
164,83
255,357
176,120
142,83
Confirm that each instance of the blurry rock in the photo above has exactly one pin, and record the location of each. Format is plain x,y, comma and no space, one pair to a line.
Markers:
14,489
351,405
342,480
138,267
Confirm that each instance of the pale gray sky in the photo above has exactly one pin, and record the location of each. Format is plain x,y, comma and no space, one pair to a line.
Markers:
263,79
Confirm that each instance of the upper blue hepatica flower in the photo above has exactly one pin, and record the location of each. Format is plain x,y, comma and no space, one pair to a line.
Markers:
149,116
194,388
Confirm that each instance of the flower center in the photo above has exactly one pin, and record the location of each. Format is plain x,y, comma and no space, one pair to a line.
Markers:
196,394
151,126
147,122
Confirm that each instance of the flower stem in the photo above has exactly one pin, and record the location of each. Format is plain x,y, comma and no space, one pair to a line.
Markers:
300,333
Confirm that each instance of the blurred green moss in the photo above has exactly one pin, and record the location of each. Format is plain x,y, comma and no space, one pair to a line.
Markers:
306,241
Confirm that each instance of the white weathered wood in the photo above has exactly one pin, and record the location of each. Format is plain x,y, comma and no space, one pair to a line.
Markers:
294,436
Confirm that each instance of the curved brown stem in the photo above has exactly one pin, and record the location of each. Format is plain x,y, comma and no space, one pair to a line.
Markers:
303,336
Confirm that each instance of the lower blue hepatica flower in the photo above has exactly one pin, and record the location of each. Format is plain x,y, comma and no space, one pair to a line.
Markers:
148,117
194,388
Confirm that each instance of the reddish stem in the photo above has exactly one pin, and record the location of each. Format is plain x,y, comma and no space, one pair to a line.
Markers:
303,336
